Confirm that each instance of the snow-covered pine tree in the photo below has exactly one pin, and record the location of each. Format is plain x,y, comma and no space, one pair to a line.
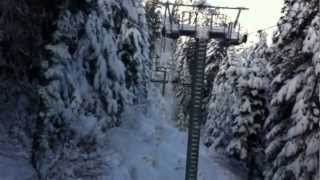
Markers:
99,64
153,17
238,108
292,128
252,110
183,55
25,28
71,67
216,54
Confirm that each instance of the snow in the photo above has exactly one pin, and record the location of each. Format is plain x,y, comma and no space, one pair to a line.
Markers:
188,27
311,44
289,89
149,147
85,93
312,145
290,149
85,125
273,147
199,2
203,33
218,29
13,169
13,164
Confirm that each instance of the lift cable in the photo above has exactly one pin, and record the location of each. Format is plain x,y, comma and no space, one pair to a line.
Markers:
263,29
271,27
203,6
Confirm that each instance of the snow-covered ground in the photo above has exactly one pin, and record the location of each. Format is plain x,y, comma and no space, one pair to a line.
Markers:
149,147
14,164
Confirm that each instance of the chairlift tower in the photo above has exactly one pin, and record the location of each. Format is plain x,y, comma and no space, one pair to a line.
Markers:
201,22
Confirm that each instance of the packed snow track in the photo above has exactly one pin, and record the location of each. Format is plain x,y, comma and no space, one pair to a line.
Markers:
149,147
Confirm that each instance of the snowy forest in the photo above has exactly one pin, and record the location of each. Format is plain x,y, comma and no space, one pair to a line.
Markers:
110,90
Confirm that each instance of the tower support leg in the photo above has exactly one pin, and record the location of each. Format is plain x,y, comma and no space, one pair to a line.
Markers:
197,77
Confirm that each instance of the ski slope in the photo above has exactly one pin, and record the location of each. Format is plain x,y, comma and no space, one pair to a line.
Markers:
13,164
149,147
146,147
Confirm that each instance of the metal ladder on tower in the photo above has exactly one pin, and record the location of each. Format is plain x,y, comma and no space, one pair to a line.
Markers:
198,49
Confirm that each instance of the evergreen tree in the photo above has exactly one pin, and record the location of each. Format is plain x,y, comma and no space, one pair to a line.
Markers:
72,67
183,55
238,108
153,17
216,54
292,128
